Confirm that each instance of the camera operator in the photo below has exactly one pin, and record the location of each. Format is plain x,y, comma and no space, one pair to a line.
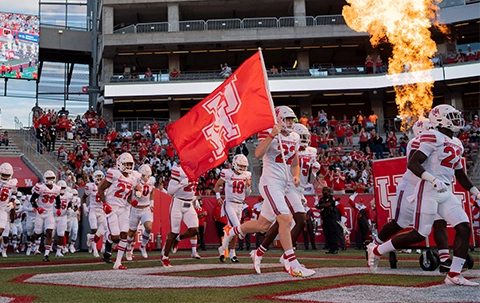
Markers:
329,215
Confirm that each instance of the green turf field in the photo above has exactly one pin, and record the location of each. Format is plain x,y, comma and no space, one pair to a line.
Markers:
81,278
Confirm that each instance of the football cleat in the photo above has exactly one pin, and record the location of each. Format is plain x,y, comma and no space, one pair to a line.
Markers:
234,259
64,250
95,254
37,252
222,256
285,264
196,256
256,261
301,272
174,246
459,280
143,250
373,259
166,262
59,254
106,258
445,266
129,255
4,253
29,250
72,248
89,240
46,258
120,266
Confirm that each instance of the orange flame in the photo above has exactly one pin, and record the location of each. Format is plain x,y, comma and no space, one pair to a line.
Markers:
405,25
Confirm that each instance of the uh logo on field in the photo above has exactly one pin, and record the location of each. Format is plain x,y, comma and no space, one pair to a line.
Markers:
222,106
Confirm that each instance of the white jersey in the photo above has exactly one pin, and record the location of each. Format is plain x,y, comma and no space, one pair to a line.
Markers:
306,158
121,188
65,200
94,202
6,193
147,188
27,207
444,154
235,185
179,186
75,206
273,166
46,199
409,176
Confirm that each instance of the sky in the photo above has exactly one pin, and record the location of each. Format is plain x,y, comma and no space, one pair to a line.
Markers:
21,93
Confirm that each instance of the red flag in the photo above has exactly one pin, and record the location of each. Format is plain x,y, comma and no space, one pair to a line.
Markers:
237,109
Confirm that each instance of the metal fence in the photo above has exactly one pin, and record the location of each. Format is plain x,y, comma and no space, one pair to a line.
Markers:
231,24
31,146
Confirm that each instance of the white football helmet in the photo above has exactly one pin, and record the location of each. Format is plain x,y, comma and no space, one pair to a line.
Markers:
98,176
240,163
145,170
283,112
302,130
422,125
446,116
63,186
49,177
74,192
6,172
19,195
125,163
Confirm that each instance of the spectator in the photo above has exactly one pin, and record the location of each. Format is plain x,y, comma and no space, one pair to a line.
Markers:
451,57
242,149
471,56
309,230
369,62
273,70
338,182
220,222
5,138
379,65
340,133
322,118
282,70
461,57
126,135
147,130
134,73
63,113
359,119
226,71
373,118
148,74
202,215
174,73
378,146
403,145
392,143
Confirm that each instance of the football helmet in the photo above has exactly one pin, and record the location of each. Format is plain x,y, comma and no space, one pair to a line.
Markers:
302,130
19,195
49,177
446,116
240,163
63,186
146,171
422,124
125,163
283,112
6,172
74,192
98,176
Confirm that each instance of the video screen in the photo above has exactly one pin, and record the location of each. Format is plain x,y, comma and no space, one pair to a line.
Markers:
19,45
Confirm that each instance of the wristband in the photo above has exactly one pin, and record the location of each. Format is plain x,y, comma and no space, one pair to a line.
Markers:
428,177
271,137
218,195
151,203
474,191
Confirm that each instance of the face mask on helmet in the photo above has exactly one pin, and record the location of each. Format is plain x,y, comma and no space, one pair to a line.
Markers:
146,172
6,172
446,116
125,163
304,134
98,177
240,163
49,177
285,117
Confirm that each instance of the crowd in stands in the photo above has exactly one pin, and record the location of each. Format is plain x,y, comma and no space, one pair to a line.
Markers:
460,56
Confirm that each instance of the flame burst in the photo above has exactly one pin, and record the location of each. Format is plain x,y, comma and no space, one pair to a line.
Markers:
405,25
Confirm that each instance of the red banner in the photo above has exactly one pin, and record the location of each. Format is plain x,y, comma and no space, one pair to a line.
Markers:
21,172
387,174
237,109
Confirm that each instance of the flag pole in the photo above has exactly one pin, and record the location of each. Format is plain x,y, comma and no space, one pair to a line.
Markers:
265,77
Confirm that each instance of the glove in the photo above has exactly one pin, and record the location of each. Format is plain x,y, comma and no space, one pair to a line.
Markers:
107,208
40,210
9,206
138,194
85,209
59,212
134,203
439,186
343,219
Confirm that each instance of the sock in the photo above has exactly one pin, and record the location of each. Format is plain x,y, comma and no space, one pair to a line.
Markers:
237,230
178,238
72,242
29,244
377,241
47,249
129,242
94,238
261,251
122,246
444,254
232,253
108,247
384,248
59,248
37,244
194,245
289,256
457,265
145,238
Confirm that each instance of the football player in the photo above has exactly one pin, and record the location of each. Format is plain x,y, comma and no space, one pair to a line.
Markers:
8,187
43,198
114,193
279,149
181,209
436,161
73,216
142,207
94,211
30,213
61,217
238,183
307,157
